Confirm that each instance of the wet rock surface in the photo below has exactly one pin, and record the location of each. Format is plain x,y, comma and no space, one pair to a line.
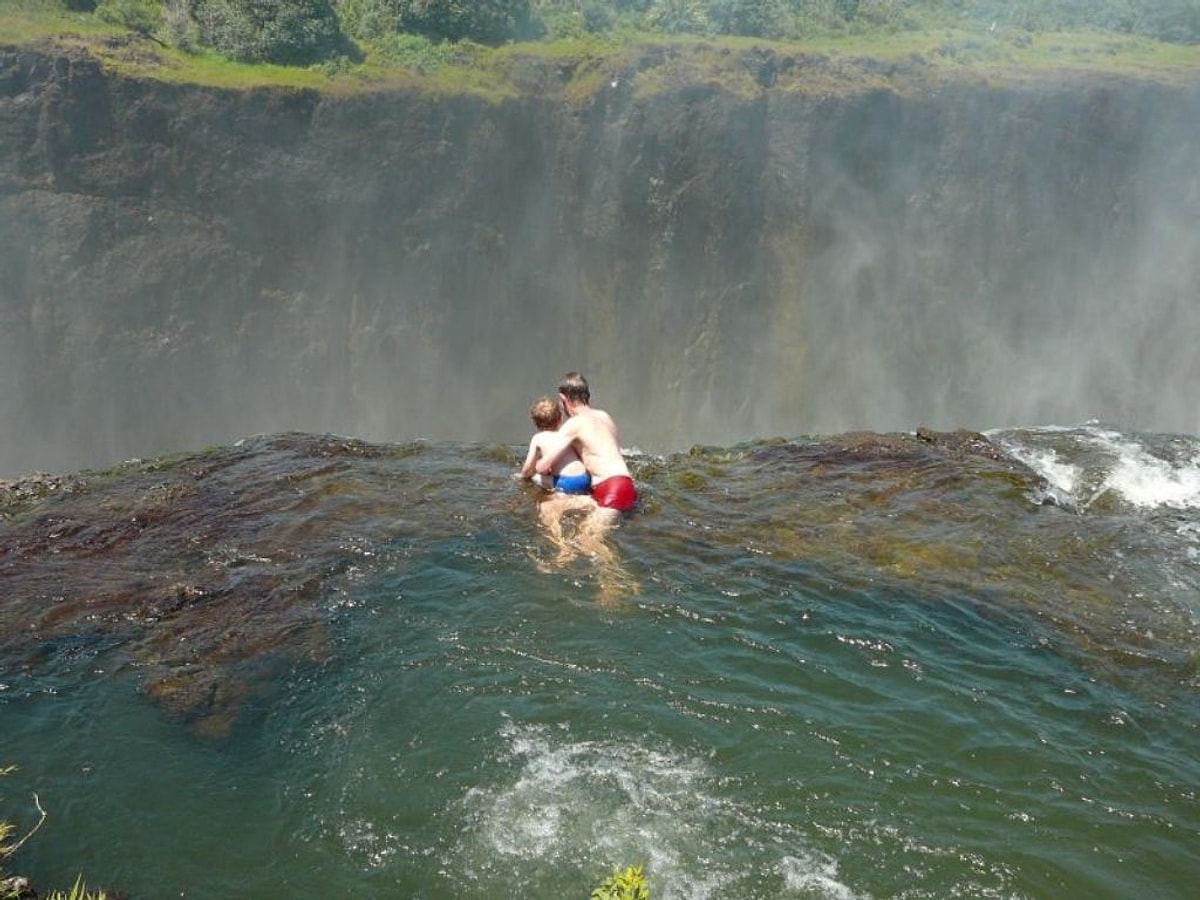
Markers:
213,578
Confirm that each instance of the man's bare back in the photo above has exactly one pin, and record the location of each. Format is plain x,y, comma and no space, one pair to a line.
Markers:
593,435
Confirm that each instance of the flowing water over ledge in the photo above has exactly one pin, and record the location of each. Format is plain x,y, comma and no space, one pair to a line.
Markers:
862,666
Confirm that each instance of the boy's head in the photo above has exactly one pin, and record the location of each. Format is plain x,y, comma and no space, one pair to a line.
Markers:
574,387
545,413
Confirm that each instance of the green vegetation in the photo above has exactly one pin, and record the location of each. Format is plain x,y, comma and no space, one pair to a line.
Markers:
78,892
500,48
302,32
627,885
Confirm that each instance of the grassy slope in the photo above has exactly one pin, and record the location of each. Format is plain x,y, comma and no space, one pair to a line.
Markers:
577,68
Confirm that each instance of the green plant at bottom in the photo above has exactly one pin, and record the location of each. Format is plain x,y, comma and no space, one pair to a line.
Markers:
627,885
78,892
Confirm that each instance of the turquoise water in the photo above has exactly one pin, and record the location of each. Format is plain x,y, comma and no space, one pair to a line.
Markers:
825,669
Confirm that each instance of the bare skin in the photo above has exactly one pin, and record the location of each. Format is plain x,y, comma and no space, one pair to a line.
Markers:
551,510
592,434
547,415
564,463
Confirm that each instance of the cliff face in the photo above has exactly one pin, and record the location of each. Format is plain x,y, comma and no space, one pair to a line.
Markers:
181,266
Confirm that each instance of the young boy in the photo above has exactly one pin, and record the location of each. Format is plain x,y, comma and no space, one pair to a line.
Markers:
567,479
567,475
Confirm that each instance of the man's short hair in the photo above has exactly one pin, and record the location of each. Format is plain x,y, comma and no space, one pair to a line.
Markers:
574,387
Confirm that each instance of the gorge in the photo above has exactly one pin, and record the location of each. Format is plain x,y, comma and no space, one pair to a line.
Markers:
184,265
312,638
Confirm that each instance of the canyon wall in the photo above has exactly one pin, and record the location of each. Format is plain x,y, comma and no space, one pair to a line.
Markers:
182,266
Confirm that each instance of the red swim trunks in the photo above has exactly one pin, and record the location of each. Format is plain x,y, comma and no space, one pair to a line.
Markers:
615,492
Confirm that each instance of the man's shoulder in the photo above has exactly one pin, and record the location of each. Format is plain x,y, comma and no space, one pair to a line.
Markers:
599,418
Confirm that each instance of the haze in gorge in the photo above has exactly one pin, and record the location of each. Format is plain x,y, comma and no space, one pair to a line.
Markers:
182,266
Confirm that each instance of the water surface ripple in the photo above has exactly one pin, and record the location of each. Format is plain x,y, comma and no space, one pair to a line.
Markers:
917,665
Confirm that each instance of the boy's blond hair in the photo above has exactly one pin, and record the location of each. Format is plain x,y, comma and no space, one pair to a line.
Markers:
545,413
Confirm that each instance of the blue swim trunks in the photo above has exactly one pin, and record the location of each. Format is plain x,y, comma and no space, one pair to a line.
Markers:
573,484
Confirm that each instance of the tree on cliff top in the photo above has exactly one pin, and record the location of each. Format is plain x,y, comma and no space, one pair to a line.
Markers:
482,21
289,32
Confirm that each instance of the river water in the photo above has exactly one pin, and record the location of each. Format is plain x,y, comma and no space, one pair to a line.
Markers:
908,665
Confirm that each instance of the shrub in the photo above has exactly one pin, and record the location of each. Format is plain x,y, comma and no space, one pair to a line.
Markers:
627,885
288,32
482,21
179,29
678,16
143,16
1177,21
752,18
412,51
369,20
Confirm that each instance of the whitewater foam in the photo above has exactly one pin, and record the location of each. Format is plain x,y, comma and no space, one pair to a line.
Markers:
1081,465
1062,477
603,804
1145,479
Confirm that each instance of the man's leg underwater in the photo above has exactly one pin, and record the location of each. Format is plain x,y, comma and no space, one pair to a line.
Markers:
551,511
592,531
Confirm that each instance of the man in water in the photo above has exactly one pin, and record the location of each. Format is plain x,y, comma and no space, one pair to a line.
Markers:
593,434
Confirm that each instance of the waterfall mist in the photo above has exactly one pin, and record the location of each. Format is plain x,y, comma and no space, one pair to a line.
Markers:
183,267
1003,260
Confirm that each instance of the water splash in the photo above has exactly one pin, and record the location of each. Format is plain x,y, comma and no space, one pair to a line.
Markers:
1150,480
599,804
1083,465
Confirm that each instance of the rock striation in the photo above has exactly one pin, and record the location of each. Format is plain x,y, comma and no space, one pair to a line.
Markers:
183,265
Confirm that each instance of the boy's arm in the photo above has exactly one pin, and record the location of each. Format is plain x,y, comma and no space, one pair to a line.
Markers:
554,446
530,458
